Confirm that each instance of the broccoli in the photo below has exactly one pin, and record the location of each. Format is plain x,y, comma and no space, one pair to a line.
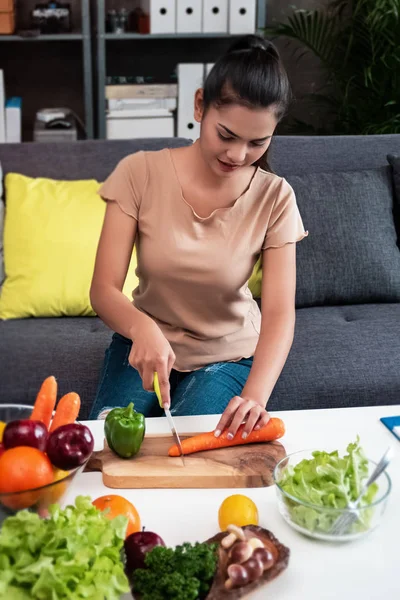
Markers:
183,573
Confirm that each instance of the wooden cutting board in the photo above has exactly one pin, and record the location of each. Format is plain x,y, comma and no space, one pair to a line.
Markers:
249,465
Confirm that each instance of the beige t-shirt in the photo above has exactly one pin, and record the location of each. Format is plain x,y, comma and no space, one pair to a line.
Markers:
193,271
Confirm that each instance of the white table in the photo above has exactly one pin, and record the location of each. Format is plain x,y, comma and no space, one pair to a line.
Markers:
367,569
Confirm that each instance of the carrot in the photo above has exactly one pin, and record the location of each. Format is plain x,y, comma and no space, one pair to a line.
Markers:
67,410
273,430
45,401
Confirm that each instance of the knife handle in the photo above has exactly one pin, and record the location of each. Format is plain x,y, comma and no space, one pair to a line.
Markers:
156,385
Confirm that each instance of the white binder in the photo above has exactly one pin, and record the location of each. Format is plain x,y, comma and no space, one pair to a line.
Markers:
162,15
215,16
190,78
242,16
188,16
207,69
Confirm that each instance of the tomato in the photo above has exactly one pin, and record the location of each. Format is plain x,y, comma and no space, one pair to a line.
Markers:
117,505
237,510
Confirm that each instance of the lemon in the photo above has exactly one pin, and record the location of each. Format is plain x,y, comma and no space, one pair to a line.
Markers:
237,510
59,474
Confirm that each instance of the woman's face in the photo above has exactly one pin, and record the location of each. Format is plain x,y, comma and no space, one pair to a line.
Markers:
233,136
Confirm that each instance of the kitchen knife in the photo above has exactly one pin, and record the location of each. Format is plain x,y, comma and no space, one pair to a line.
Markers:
156,385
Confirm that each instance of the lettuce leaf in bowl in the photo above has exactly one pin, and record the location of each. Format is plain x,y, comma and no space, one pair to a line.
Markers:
75,553
328,481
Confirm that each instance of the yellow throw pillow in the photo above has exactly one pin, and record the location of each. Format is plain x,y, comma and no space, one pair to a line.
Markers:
255,280
51,232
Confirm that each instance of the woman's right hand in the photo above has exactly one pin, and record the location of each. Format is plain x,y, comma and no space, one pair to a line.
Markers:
151,352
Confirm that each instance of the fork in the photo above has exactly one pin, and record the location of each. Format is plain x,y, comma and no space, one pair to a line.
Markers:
346,520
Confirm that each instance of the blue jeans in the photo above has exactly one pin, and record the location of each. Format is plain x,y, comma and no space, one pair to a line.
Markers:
205,391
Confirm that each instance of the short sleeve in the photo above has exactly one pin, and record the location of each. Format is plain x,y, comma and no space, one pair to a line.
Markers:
285,225
126,184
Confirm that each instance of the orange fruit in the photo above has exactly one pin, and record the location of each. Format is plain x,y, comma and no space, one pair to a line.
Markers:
237,510
23,468
117,505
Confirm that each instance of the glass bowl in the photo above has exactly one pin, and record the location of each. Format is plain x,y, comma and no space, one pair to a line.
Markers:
37,499
314,520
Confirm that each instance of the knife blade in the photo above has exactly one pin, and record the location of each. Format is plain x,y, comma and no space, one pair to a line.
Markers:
170,420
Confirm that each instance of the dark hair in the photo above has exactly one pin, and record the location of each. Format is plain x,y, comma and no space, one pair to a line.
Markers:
251,73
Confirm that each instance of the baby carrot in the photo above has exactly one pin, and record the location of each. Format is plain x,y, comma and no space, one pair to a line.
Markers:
45,401
67,410
273,430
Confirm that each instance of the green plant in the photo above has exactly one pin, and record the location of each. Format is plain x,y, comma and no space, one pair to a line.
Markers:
358,45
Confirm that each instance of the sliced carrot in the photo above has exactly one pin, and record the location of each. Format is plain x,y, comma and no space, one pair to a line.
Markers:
67,410
45,401
273,430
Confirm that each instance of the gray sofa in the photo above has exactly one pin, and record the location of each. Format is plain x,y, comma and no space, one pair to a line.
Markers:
347,341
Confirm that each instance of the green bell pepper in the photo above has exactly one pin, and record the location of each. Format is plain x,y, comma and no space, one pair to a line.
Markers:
124,429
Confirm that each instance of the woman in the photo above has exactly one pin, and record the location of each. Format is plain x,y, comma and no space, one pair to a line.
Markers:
200,216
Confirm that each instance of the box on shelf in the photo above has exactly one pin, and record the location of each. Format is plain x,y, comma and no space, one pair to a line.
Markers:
242,16
13,118
7,5
123,104
7,17
156,90
128,124
215,16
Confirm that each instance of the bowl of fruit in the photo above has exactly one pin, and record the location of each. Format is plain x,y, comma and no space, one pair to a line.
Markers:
42,449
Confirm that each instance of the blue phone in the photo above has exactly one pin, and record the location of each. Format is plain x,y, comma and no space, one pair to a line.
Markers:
393,424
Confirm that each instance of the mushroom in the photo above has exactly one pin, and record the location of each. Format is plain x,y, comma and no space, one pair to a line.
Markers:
237,577
255,542
265,557
235,533
238,531
254,568
228,540
240,552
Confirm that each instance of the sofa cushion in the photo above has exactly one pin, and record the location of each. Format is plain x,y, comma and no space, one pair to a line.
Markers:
351,254
341,356
71,349
1,228
394,162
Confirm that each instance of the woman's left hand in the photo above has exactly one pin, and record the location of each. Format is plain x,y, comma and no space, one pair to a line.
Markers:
238,410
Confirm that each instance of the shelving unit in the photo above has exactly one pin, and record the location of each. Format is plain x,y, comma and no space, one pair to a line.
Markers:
65,37
83,36
103,37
